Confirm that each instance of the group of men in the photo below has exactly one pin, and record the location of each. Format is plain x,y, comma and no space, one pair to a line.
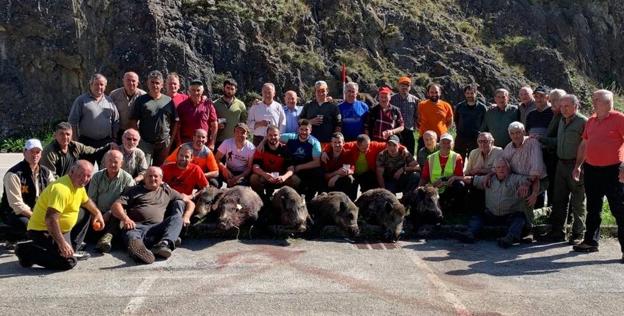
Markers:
157,150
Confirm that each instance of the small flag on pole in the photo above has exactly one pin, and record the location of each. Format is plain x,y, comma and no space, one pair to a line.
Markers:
344,80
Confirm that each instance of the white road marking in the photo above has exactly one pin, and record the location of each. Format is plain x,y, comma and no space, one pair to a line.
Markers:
139,296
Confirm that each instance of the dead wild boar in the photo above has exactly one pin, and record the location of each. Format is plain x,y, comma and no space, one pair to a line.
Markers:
381,207
424,204
236,206
204,200
289,209
334,208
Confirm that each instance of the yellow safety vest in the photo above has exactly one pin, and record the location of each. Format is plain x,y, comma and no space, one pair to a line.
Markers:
435,169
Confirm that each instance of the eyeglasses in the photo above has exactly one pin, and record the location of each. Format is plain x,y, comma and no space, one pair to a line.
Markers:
131,138
483,141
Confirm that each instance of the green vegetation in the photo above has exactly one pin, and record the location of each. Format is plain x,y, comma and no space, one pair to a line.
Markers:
16,144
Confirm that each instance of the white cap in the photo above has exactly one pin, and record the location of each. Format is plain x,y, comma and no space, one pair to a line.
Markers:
446,136
33,143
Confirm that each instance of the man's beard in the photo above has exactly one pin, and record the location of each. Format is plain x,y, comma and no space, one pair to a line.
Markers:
434,99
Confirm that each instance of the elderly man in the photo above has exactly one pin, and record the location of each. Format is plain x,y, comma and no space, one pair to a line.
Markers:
54,216
353,112
568,193
230,111
481,162
322,114
238,153
63,152
265,113
134,161
305,152
554,97
292,111
104,189
197,112
339,168
396,168
22,185
498,118
537,123
430,140
504,203
158,120
183,175
433,113
385,119
444,169
124,98
527,102
94,116
408,105
141,210
173,88
469,115
202,156
601,155
272,165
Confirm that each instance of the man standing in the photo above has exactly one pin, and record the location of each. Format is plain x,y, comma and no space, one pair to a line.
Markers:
62,152
54,216
322,114
527,103
433,113
183,175
567,191
22,185
537,122
104,189
385,119
230,111
498,118
238,153
469,115
141,210
353,112
272,165
94,116
408,104
601,154
292,111
197,112
124,99
201,156
265,113
173,86
158,117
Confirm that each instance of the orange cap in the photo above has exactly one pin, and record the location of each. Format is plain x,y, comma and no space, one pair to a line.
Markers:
405,80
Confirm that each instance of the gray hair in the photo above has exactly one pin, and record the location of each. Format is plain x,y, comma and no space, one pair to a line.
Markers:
81,165
133,131
487,135
503,161
157,169
62,126
515,126
155,74
528,89
110,153
352,85
270,85
502,90
97,76
556,94
185,147
572,98
606,95
431,133
319,84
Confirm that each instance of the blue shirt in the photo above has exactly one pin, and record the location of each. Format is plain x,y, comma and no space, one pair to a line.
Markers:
292,118
353,118
301,152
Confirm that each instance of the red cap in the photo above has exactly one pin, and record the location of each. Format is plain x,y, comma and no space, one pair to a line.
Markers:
385,90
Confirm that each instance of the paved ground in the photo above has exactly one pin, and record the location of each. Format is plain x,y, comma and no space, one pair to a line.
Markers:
437,277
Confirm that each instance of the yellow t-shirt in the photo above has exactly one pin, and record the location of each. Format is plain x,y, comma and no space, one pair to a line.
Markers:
63,197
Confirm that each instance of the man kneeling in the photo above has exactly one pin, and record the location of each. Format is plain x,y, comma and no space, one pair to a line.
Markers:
152,215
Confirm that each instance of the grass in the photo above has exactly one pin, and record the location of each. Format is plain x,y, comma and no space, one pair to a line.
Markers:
15,144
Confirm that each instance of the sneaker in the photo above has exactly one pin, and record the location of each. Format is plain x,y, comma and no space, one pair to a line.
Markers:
575,240
162,249
527,239
505,242
105,243
81,255
20,252
139,252
585,247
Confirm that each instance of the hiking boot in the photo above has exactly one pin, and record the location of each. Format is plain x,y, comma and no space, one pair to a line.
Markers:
177,242
553,237
505,242
22,254
138,251
162,249
81,255
585,247
575,240
105,243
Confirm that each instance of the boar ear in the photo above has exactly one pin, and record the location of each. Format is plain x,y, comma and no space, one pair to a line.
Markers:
216,200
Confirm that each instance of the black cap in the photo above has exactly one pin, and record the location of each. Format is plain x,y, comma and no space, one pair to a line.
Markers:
196,82
541,89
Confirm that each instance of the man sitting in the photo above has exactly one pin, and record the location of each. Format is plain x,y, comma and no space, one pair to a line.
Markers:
305,151
339,168
202,156
141,210
238,153
396,168
272,165
183,175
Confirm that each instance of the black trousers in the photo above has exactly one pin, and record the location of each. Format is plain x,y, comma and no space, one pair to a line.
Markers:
408,140
601,182
44,251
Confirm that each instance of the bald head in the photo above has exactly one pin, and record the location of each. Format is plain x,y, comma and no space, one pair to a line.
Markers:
80,173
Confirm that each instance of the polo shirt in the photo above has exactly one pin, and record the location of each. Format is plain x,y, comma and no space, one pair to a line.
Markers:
193,117
604,139
94,119
229,114
104,191
292,118
353,118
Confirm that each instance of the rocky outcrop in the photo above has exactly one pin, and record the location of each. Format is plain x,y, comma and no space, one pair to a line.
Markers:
49,49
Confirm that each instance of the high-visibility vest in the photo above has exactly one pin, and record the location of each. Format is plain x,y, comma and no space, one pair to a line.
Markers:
435,169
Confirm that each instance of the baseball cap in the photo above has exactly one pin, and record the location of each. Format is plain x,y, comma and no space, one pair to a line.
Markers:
446,136
394,139
196,82
33,143
405,80
385,90
243,126
541,89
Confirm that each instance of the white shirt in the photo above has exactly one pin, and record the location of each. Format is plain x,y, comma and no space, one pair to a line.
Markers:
274,113
236,159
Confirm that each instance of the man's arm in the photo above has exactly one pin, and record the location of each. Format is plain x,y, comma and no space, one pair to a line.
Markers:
189,208
120,213
580,158
92,208
214,128
54,228
315,163
13,190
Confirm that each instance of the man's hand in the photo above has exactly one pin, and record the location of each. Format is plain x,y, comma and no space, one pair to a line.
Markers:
316,121
385,134
99,220
398,173
128,224
332,182
324,157
576,174
532,199
186,220
523,191
65,249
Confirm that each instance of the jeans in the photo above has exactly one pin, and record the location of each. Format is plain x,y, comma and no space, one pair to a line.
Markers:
515,223
169,229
